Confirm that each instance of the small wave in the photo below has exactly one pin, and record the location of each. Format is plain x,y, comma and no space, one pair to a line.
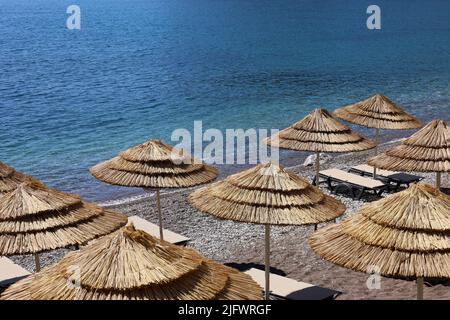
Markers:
392,141
128,200
116,202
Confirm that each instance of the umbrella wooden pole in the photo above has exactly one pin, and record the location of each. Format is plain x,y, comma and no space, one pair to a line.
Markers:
317,168
37,262
317,174
438,180
377,140
267,262
158,204
420,288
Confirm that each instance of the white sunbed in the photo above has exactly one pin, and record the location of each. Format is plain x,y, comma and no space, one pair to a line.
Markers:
153,230
10,272
396,177
290,289
352,181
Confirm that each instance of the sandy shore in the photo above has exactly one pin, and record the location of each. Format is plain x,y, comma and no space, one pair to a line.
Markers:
227,241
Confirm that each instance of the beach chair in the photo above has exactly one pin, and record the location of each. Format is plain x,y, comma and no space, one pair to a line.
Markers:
153,230
289,289
10,272
397,178
352,181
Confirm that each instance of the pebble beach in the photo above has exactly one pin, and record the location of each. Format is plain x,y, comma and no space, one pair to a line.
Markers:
231,242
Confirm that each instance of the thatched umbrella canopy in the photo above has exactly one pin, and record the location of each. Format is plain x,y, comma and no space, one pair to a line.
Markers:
378,112
131,264
320,132
154,165
10,178
267,194
35,218
427,150
405,235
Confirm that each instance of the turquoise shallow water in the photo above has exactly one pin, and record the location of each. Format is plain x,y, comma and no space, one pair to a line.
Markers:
139,69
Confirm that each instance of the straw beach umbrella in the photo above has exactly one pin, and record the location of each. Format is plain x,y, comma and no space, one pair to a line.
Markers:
154,165
378,112
267,194
130,265
10,178
35,218
406,235
320,132
427,150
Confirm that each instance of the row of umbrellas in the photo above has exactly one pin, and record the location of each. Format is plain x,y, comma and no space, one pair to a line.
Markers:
405,235
320,132
266,194
122,263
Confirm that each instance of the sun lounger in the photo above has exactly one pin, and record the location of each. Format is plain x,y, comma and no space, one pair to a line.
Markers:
352,181
153,229
398,178
10,272
290,289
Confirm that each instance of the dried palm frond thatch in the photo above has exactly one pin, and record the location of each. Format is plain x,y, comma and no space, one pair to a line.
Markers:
131,264
378,112
427,150
35,218
267,194
319,132
154,165
10,178
404,235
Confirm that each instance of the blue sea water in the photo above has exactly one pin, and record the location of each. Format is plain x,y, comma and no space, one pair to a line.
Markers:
139,69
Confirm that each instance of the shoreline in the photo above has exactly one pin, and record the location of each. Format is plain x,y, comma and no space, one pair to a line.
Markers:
146,195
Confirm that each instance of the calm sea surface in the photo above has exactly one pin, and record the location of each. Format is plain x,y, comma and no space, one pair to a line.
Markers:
140,69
